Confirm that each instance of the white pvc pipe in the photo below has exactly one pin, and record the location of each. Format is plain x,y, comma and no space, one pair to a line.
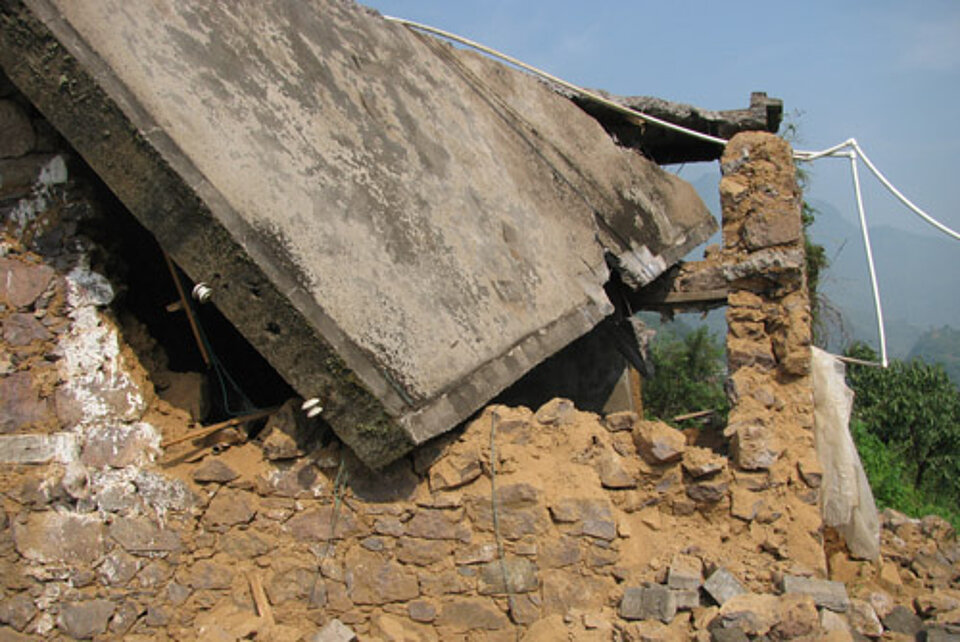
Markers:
563,83
870,266
903,199
800,155
830,151
835,152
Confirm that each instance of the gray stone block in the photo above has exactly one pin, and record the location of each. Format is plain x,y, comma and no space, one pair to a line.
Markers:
686,572
935,633
902,620
722,585
521,576
649,602
83,620
687,599
825,593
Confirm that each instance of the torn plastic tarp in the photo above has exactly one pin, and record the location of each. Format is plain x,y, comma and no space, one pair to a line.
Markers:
846,500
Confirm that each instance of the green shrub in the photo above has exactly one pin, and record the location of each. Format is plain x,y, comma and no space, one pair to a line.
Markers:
885,471
890,482
914,409
906,424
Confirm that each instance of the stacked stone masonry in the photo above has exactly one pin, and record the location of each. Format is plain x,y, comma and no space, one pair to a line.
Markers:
611,528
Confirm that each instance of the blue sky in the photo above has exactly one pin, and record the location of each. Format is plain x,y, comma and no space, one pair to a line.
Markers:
886,73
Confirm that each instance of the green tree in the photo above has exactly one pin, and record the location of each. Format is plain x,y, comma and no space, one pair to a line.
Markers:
688,376
914,410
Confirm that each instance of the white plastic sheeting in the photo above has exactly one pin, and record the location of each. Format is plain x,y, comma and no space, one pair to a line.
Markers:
846,501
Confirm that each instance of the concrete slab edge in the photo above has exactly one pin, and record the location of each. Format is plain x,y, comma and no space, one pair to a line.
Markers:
194,223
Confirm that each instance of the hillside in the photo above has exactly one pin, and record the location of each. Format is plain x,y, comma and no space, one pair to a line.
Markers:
940,345
917,285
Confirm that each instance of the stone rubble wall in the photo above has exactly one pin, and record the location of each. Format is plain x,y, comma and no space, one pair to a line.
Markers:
768,315
611,528
770,425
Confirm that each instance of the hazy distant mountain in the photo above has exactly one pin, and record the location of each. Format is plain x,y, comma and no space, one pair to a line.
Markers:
940,345
919,278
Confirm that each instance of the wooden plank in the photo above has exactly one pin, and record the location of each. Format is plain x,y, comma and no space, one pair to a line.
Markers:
636,390
209,430
260,598
185,306
694,415
700,296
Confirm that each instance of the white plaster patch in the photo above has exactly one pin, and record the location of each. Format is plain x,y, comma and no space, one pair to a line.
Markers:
91,367
113,488
132,489
87,288
163,493
120,445
44,624
28,209
53,173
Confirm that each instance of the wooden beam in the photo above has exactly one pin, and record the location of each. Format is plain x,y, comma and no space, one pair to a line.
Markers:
703,296
694,415
260,598
185,305
636,390
209,430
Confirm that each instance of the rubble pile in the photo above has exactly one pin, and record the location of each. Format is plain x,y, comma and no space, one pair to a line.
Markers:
606,533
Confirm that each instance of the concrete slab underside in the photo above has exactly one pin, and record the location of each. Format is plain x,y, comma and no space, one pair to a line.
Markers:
403,229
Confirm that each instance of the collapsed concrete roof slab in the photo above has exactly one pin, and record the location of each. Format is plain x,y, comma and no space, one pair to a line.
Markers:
403,229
